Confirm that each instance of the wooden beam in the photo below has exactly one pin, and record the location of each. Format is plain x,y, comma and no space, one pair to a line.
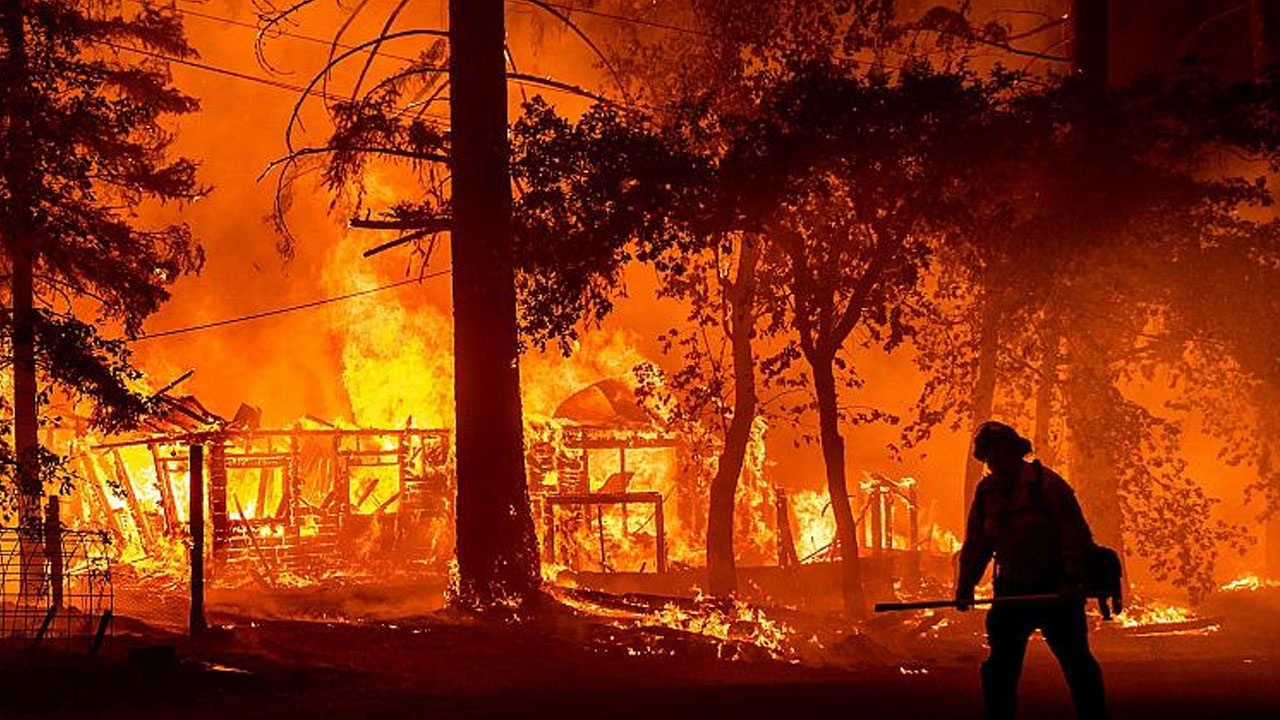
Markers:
100,497
167,504
126,483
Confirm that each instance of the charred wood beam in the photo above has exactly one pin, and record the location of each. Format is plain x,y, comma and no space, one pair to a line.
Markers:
175,383
403,240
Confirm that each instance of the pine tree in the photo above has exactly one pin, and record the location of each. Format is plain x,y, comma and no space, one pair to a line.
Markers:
83,95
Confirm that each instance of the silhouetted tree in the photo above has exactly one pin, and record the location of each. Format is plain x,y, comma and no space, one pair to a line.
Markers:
1117,210
388,123
83,100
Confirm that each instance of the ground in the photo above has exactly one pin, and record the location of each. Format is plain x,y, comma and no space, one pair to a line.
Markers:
568,661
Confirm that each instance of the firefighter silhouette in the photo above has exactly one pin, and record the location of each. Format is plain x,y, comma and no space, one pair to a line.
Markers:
1026,518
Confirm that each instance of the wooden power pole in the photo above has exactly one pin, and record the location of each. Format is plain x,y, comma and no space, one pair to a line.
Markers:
496,549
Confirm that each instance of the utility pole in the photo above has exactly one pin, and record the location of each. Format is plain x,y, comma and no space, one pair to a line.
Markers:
496,550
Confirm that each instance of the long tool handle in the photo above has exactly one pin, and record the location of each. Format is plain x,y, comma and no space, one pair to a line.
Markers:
929,604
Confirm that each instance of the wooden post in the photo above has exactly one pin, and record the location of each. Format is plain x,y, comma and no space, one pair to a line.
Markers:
913,516
53,551
549,532
876,521
888,499
604,557
145,533
288,511
197,622
660,529
168,505
218,499
786,543
341,482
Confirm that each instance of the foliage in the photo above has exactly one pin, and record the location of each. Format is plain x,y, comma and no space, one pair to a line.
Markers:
1115,264
92,102
596,194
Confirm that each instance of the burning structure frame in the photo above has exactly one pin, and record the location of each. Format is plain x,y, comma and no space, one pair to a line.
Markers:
285,500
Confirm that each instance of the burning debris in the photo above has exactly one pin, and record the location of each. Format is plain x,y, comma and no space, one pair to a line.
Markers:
736,629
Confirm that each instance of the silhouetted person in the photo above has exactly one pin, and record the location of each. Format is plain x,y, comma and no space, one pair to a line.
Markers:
1027,518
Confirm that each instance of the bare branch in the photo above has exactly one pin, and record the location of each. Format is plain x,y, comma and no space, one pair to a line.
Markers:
617,79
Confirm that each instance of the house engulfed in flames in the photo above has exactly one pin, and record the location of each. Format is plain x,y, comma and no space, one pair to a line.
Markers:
615,493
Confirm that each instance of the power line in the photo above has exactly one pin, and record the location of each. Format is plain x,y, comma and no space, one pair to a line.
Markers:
289,309
517,78
269,82
279,84
621,18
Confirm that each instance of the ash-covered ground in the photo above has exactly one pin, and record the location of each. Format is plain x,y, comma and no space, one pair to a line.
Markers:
590,655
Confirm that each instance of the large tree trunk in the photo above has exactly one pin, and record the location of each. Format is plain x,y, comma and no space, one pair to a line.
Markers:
984,393
721,568
1264,22
824,385
1271,545
1045,386
19,235
1091,46
1092,466
496,548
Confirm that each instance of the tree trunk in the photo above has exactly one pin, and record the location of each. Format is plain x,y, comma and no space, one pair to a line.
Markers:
824,385
1044,400
1271,546
721,569
496,548
19,230
984,393
1264,22
1093,467
1091,48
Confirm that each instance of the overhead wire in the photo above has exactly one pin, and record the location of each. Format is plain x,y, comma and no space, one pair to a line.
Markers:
290,308
228,72
631,20
522,79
